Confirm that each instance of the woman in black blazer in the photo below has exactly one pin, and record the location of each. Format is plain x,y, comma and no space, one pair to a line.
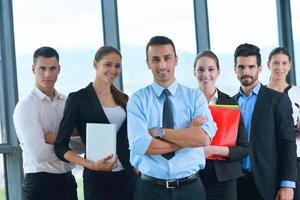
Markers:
219,176
111,177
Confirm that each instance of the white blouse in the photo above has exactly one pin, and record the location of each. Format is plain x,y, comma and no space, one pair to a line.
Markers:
116,115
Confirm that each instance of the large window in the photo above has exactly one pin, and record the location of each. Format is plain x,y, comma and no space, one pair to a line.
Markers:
72,27
141,20
234,22
1,135
2,178
295,8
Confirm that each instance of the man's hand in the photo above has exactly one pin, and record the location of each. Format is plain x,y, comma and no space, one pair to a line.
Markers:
50,137
106,164
152,132
197,121
285,194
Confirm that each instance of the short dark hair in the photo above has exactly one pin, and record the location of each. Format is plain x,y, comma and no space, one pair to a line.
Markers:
207,53
159,40
46,52
247,50
105,50
279,50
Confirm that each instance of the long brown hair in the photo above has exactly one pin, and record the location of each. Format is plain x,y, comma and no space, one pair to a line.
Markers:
120,97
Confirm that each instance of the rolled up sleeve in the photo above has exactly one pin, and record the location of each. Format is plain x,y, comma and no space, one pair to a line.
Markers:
201,109
138,136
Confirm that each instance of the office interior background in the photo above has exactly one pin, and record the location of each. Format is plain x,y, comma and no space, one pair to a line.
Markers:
77,28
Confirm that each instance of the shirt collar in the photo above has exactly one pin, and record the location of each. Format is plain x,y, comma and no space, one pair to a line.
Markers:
158,89
254,91
214,98
41,96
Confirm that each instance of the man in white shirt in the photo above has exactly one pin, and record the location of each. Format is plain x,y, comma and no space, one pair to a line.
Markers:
36,119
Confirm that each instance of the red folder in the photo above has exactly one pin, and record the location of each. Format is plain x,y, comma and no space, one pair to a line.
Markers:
227,118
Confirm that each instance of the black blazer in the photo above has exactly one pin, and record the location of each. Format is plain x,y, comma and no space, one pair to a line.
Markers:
272,140
84,107
218,171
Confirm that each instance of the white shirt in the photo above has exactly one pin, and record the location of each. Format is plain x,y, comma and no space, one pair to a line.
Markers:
33,116
294,95
213,100
116,115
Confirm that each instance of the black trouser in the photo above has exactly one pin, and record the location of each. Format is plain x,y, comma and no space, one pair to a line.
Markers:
150,191
108,185
297,190
48,186
225,190
246,189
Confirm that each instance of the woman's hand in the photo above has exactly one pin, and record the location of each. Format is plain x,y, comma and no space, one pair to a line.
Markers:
216,150
106,164
208,151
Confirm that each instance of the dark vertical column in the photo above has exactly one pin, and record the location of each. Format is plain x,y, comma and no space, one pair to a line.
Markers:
286,34
111,29
9,95
201,25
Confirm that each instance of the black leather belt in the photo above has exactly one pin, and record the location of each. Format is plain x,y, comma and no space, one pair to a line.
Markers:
174,183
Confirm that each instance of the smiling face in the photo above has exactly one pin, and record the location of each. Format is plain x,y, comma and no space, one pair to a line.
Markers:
206,72
162,61
46,71
108,68
279,66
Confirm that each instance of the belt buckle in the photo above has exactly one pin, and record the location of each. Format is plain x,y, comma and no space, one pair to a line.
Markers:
169,184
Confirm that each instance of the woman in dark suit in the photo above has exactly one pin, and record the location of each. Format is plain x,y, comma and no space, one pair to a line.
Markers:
100,102
279,63
219,176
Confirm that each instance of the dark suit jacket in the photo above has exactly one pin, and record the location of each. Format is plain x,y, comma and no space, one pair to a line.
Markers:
84,107
272,140
219,171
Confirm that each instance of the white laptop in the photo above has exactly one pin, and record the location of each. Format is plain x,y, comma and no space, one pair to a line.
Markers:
101,140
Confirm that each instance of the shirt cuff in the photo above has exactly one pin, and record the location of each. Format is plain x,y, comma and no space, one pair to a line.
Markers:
287,184
208,131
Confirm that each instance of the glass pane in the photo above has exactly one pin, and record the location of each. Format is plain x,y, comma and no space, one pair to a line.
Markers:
2,186
234,22
72,27
295,7
172,18
1,136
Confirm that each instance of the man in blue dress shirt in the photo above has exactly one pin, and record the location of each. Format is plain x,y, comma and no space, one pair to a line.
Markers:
270,170
176,177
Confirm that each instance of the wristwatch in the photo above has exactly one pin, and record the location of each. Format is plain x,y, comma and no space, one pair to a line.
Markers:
160,133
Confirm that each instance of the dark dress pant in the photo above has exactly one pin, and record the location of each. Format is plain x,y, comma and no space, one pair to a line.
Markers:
149,191
225,190
246,189
108,185
48,186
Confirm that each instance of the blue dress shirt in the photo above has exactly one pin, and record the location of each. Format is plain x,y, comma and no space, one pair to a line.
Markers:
247,104
144,111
